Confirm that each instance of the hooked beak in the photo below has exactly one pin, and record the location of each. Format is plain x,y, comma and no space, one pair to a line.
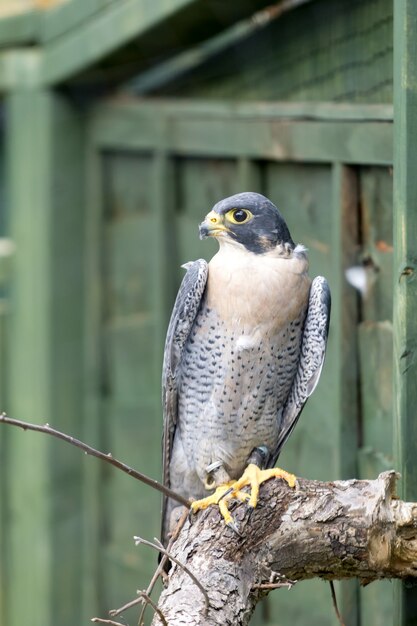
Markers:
212,226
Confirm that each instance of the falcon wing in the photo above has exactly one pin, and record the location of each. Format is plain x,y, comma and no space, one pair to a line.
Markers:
313,351
183,315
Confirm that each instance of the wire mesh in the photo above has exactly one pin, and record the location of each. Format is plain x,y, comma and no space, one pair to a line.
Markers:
320,51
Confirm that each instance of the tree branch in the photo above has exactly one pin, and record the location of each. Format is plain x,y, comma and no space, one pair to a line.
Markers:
335,530
108,458
332,530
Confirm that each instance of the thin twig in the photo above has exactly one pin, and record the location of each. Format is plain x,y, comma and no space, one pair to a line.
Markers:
157,610
108,458
106,621
143,598
160,548
334,600
162,563
128,605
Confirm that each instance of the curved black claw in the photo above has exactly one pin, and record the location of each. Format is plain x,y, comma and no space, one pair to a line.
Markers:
234,527
248,513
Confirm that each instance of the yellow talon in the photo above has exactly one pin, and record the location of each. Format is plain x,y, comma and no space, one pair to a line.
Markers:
215,498
253,477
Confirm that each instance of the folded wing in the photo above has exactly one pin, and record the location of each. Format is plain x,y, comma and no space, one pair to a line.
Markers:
313,350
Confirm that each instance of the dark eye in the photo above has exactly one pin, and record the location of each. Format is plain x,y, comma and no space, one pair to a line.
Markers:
238,216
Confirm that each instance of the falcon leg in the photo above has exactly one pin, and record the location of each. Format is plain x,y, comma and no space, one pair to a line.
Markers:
259,456
253,477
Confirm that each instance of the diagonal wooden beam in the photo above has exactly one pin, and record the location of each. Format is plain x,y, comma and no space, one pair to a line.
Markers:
125,35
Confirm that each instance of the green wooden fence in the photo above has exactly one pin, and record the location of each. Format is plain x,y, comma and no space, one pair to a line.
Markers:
158,168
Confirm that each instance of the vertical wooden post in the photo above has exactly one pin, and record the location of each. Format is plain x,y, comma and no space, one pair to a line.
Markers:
163,190
248,175
344,327
92,566
65,341
345,314
4,272
28,556
44,523
405,268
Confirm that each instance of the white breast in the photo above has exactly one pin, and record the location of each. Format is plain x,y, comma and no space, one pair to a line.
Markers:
249,289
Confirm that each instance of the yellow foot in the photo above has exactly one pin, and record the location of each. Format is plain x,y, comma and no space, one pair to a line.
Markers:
219,497
253,477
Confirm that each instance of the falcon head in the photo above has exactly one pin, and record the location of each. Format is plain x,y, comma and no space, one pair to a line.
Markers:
248,219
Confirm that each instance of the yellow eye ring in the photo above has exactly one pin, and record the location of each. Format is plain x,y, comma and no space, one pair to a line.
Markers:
238,216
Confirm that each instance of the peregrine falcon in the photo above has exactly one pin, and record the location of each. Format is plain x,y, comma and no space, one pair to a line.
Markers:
244,351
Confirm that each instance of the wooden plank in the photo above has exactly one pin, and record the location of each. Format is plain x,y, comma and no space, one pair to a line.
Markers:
405,267
285,141
376,605
132,508
375,347
345,226
29,562
375,454
60,19
66,382
135,190
4,311
106,36
6,260
19,68
19,29
95,39
130,281
344,243
163,210
175,107
375,329
93,405
44,376
249,175
376,246
5,267
168,71
256,137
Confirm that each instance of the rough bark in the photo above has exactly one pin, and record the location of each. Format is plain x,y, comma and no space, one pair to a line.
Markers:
334,530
